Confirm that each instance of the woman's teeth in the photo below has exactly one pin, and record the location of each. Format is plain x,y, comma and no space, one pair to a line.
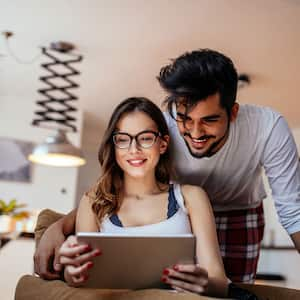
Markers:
136,162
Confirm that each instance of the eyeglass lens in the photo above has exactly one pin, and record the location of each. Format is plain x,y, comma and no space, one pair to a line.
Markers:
143,139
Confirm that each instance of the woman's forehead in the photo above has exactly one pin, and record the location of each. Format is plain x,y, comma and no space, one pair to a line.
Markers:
136,120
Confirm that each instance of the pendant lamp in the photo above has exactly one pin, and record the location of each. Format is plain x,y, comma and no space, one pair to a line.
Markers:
57,151
57,108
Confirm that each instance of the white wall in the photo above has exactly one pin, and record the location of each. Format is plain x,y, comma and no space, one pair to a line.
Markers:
16,114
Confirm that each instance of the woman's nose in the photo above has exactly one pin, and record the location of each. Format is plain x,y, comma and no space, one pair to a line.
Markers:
134,147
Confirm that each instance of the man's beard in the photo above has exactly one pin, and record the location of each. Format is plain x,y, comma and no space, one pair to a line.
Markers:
211,150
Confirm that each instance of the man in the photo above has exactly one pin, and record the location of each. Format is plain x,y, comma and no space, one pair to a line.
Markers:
222,147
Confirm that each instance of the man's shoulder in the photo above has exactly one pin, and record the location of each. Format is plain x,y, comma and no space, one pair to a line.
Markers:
257,109
260,114
254,124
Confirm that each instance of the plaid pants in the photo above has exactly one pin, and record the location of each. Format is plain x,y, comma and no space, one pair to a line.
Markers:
240,233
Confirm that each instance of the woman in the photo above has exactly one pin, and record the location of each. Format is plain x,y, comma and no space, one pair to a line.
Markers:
134,195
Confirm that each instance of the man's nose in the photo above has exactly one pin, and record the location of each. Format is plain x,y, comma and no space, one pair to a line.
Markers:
197,130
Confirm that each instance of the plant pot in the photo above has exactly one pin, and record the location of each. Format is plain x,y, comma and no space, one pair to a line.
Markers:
6,224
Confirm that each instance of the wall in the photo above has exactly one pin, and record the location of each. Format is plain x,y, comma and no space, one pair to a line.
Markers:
16,114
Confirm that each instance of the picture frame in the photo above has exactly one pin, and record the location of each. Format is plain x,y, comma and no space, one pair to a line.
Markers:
14,165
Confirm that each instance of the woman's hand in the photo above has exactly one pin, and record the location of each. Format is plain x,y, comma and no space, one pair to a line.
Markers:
191,278
77,259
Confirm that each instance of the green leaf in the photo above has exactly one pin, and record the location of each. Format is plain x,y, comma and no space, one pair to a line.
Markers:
2,204
11,205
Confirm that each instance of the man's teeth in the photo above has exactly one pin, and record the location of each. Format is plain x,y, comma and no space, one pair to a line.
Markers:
199,140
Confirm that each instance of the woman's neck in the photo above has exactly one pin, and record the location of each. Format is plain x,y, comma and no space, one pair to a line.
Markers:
140,187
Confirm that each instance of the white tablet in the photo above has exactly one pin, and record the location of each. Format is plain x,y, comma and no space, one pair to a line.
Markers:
135,261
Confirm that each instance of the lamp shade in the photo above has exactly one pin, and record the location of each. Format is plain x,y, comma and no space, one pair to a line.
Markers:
57,151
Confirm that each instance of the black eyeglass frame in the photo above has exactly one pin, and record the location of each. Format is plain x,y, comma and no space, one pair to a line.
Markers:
183,116
135,137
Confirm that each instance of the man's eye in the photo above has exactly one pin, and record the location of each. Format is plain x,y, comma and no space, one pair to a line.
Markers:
210,120
181,116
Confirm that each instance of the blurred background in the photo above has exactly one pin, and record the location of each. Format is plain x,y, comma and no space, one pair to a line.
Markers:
124,43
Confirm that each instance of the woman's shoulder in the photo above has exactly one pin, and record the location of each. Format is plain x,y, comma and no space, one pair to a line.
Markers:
191,189
192,194
91,193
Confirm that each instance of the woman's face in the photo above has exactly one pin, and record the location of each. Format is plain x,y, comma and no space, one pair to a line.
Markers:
140,144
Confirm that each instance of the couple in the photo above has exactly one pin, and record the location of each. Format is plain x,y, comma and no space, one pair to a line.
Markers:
215,144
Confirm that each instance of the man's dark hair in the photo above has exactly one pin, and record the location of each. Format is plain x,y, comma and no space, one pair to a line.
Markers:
195,75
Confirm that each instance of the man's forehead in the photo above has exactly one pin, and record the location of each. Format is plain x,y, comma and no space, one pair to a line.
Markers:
201,107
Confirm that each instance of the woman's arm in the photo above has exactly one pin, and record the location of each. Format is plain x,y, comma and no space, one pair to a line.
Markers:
86,219
75,257
208,275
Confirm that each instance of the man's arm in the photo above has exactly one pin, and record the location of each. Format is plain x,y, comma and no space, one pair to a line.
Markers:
46,262
296,239
281,163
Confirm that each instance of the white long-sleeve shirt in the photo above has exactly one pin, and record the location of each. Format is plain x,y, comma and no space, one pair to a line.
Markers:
259,138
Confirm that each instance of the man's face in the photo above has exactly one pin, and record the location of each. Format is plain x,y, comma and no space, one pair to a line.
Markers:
205,126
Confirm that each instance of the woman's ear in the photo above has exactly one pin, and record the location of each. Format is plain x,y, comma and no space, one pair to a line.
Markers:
164,143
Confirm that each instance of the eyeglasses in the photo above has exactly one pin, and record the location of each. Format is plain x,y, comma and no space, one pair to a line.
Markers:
181,117
188,122
144,139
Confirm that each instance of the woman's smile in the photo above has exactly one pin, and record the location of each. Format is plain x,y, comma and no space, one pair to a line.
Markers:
136,162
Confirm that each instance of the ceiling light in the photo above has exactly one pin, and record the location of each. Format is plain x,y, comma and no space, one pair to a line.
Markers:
57,151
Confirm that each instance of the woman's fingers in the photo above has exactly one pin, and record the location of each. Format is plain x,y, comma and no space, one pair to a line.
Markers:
178,289
73,253
79,259
77,275
186,286
191,268
80,270
73,250
191,278
182,276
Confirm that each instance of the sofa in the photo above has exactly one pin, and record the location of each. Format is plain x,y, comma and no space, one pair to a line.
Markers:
31,287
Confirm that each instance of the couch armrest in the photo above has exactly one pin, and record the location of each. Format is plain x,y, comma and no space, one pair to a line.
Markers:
268,292
34,288
45,219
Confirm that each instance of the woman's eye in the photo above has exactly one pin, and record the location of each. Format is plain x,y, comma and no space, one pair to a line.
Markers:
122,140
146,138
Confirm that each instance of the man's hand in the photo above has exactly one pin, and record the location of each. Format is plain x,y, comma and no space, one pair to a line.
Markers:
46,262
46,259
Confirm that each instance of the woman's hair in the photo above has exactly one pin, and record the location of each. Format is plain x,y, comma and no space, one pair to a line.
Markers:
107,195
194,76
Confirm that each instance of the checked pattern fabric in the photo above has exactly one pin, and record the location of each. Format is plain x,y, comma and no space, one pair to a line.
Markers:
240,233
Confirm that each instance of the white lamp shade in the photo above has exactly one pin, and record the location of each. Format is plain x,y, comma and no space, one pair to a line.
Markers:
57,151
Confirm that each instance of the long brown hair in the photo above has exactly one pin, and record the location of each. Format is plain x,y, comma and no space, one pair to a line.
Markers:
107,197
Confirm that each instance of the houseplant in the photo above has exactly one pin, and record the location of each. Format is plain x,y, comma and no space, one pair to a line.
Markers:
9,213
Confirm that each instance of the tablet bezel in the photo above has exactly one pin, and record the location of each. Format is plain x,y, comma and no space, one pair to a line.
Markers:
141,261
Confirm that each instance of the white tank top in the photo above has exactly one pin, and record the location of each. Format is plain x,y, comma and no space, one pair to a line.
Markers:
179,223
